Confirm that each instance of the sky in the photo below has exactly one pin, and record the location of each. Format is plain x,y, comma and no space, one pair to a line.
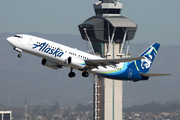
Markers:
157,20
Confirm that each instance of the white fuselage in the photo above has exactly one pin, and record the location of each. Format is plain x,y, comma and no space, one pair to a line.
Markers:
27,42
57,55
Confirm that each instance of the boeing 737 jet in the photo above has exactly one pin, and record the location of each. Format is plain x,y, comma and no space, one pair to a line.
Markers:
56,56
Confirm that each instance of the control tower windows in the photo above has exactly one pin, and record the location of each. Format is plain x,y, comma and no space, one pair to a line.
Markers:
107,11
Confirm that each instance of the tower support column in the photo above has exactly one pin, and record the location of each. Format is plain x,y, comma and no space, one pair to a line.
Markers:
109,33
108,92
111,98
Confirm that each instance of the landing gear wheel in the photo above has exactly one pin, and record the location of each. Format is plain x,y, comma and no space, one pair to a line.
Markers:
85,74
71,74
19,55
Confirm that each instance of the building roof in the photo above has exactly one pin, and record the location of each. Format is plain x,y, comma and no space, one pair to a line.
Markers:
121,22
118,21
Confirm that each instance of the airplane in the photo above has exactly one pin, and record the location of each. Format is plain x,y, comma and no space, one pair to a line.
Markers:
56,56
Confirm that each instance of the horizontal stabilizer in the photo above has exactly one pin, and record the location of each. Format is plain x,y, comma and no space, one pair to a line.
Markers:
152,74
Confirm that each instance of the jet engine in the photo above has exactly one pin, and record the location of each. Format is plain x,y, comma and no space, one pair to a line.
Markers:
76,63
50,64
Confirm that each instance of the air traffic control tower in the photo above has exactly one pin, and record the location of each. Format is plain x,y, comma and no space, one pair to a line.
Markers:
109,34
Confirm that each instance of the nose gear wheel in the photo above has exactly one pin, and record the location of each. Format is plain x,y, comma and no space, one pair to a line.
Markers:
19,55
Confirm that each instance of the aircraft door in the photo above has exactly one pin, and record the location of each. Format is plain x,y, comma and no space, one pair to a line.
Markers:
30,42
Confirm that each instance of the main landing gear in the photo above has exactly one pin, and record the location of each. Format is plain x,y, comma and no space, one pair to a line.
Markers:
85,74
71,74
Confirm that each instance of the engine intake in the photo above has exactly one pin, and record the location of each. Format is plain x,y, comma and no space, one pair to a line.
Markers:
50,64
76,63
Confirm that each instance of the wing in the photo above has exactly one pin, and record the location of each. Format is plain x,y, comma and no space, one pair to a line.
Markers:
152,74
103,62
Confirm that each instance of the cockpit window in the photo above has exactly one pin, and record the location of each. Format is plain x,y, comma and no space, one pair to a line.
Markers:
18,36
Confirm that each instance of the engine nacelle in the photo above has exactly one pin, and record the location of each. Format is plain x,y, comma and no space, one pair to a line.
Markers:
76,63
50,64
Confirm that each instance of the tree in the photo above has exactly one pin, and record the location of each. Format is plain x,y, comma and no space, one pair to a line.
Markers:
80,107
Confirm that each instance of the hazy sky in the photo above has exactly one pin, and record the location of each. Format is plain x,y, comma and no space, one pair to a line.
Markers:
157,20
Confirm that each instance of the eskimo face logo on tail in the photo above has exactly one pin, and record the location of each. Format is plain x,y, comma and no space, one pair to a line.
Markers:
146,63
44,48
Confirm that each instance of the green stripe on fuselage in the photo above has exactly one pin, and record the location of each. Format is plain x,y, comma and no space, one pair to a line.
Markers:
113,70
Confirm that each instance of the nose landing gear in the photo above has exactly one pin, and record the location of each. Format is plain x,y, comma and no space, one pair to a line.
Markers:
19,55
18,50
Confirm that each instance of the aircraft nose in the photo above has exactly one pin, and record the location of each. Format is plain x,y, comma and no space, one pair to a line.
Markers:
10,40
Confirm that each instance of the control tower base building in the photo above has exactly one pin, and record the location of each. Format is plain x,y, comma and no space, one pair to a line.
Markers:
109,33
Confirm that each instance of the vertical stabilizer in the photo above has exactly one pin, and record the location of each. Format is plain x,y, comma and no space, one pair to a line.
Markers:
149,54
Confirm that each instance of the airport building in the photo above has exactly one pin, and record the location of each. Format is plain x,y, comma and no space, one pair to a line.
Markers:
5,115
109,34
